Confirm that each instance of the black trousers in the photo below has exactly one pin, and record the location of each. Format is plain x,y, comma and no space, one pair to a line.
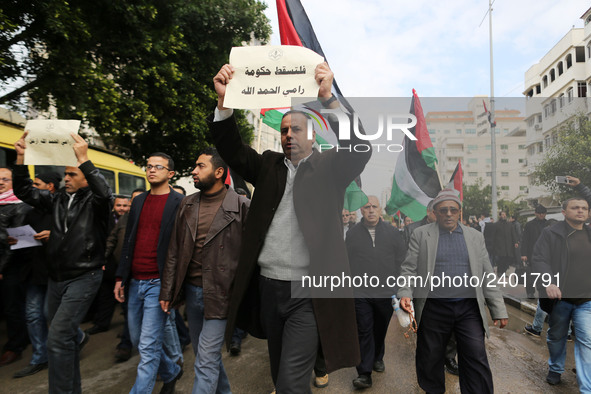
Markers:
104,303
13,294
439,319
292,336
373,318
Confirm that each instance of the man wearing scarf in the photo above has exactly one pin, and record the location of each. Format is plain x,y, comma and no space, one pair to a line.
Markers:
12,214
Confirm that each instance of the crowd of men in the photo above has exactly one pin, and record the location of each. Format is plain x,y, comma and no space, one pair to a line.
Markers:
238,266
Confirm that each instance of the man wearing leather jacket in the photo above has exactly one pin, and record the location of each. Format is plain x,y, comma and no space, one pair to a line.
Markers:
75,251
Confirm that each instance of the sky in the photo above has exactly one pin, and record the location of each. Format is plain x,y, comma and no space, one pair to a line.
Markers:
385,48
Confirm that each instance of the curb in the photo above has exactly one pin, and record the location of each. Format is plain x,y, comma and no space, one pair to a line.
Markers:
523,305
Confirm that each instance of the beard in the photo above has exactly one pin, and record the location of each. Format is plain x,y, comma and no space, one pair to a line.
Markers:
204,184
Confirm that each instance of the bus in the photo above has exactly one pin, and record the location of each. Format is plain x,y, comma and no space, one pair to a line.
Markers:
122,176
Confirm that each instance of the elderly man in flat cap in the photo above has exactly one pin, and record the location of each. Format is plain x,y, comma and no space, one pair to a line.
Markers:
447,251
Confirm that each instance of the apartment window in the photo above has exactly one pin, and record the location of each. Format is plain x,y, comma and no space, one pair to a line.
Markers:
530,122
569,95
488,161
547,141
504,161
552,75
546,110
487,147
560,68
538,89
472,161
472,147
458,131
522,188
504,173
589,50
523,174
521,147
445,131
489,174
540,147
470,131
472,174
553,106
581,89
504,146
539,118
433,140
545,81
580,54
433,131
561,100
505,187
569,61
521,161
554,138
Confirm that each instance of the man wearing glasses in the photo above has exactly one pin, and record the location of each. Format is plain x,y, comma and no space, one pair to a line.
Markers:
448,249
150,224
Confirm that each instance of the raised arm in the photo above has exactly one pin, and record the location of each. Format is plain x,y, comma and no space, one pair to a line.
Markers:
22,183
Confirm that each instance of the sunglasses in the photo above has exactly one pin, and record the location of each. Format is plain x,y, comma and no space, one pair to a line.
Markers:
445,210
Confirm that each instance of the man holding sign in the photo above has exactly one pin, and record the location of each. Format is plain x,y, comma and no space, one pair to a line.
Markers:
75,251
293,229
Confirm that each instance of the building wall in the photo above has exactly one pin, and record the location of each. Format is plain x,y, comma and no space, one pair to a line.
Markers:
455,136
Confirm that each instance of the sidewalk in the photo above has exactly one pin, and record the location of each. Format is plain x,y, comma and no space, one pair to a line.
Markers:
517,297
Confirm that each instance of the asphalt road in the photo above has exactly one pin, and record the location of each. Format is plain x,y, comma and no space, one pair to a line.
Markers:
518,363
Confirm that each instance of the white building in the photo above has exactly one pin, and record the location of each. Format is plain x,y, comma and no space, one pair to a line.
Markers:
465,136
556,89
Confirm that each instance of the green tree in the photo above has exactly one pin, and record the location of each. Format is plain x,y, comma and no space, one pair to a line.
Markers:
138,72
568,155
477,199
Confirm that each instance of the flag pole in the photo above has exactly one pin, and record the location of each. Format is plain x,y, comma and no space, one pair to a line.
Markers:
493,146
260,131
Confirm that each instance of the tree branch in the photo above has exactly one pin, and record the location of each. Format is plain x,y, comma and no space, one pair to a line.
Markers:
17,92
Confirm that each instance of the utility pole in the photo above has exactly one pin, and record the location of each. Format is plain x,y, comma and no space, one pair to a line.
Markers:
493,146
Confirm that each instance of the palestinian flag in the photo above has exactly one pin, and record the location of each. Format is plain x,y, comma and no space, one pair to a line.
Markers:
295,29
416,181
455,182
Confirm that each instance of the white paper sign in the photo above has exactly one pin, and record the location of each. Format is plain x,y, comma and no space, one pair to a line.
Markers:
270,76
49,142
24,235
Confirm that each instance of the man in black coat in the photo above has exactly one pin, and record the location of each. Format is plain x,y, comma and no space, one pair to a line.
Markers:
375,248
297,206
531,233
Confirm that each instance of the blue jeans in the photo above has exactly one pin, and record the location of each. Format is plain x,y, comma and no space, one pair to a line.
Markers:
171,342
67,303
538,323
35,313
207,338
146,321
559,323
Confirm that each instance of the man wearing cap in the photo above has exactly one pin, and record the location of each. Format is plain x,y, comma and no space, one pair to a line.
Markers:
450,249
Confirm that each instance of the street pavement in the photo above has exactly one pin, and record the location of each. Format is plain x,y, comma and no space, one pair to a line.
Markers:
518,362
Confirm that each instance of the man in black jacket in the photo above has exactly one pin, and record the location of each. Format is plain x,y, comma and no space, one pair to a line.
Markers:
375,248
561,257
75,252
34,275
12,214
